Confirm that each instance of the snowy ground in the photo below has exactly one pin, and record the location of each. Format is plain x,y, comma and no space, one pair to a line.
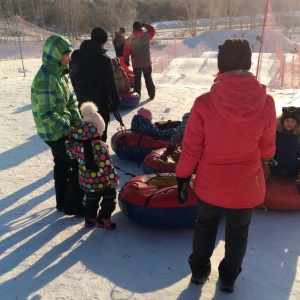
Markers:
46,255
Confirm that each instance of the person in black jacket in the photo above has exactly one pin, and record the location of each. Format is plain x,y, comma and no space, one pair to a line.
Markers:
92,76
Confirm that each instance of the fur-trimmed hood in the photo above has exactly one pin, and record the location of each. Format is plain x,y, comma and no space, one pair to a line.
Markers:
280,128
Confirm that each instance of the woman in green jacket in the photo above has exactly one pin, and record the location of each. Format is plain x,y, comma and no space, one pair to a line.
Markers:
55,114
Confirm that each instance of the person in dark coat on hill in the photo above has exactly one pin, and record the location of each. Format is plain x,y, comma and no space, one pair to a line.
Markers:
137,46
119,41
287,143
92,76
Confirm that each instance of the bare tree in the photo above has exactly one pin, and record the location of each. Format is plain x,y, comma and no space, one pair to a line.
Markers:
111,14
192,8
70,16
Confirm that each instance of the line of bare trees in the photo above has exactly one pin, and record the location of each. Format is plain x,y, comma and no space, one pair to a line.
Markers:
75,17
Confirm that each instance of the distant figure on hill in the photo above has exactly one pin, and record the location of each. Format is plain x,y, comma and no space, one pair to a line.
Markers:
119,41
137,46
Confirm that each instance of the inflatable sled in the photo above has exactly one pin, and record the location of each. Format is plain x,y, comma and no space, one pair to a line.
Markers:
129,100
156,162
282,193
135,146
151,199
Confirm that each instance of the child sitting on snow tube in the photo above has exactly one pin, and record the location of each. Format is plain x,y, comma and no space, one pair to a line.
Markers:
287,143
142,122
121,79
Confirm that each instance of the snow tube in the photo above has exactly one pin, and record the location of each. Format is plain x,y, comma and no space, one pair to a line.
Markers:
135,146
129,100
155,162
151,199
282,193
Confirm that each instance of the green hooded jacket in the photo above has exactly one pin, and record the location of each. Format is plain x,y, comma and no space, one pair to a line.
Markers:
54,109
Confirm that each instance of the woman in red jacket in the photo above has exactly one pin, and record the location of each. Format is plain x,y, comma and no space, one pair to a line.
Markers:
229,131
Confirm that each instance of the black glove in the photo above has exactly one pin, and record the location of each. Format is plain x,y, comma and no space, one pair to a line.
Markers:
114,106
182,185
269,162
127,64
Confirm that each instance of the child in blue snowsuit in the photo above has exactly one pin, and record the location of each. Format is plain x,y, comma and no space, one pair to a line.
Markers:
287,143
142,122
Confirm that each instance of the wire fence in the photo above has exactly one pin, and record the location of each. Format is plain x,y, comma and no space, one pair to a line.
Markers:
278,62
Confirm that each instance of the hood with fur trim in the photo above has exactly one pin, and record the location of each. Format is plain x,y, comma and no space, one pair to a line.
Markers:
280,128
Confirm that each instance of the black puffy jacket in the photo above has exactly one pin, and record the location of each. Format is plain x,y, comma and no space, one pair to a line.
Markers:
92,75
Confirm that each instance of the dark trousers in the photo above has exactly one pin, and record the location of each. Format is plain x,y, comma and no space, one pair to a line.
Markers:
68,193
236,238
107,205
147,72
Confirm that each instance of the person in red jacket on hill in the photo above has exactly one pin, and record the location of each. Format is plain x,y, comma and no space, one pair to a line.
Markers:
137,45
230,130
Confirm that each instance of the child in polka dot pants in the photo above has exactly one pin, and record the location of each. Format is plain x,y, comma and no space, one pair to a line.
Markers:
97,175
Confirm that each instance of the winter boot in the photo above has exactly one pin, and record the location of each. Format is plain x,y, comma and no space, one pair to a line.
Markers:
106,223
90,222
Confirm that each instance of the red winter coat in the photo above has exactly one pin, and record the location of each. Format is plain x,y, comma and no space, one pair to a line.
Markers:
228,131
138,47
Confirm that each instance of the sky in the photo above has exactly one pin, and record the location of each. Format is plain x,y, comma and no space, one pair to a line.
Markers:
47,255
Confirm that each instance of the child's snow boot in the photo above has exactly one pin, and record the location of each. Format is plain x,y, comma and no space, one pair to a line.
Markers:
90,222
106,223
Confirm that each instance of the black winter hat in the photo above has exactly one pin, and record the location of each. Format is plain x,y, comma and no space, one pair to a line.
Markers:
99,35
137,25
234,54
290,112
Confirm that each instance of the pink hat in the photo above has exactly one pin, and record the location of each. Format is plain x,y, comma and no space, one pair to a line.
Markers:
145,112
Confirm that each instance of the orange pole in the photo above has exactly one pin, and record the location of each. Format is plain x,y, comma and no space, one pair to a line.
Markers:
262,39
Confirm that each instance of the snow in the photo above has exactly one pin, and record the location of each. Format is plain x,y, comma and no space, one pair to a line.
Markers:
46,255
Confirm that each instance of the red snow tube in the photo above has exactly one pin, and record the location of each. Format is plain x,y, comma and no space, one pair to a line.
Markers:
155,162
282,193
151,199
129,100
135,146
